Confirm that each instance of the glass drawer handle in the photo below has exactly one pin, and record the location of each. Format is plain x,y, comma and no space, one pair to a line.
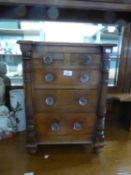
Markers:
77,126
83,101
84,78
48,60
87,59
49,77
55,126
49,101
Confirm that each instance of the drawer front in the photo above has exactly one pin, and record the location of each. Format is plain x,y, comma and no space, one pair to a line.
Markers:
59,78
65,127
65,100
85,60
64,60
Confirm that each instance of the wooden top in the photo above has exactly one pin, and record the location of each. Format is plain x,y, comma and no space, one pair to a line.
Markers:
123,97
64,44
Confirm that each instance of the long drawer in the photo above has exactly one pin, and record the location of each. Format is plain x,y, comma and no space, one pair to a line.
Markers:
65,100
65,126
63,60
60,78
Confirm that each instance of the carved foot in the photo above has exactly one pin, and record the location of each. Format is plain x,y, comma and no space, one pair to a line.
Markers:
98,142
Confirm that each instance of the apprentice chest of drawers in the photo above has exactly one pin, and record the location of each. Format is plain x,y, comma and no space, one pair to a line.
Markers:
65,92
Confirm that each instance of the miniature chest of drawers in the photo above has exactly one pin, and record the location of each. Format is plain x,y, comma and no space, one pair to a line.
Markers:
65,92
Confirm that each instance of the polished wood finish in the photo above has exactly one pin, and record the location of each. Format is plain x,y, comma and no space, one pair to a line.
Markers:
66,82
67,133
65,100
65,107
77,60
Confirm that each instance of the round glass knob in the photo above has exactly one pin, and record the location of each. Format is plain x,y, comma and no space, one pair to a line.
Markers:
87,59
84,78
83,101
49,101
77,126
48,60
55,126
49,77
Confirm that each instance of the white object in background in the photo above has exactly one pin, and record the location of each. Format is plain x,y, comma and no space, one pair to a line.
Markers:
4,123
46,156
4,119
17,96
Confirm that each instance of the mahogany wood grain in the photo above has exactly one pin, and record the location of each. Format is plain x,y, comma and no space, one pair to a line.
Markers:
66,60
44,122
65,100
63,81
59,47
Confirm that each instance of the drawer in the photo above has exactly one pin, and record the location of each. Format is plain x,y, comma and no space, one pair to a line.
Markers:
64,60
49,60
59,78
65,127
85,60
65,100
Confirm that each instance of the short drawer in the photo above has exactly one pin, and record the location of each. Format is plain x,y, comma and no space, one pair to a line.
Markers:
65,100
70,60
85,60
60,78
65,127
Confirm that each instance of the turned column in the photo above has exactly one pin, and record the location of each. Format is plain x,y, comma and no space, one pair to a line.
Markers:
28,88
101,112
